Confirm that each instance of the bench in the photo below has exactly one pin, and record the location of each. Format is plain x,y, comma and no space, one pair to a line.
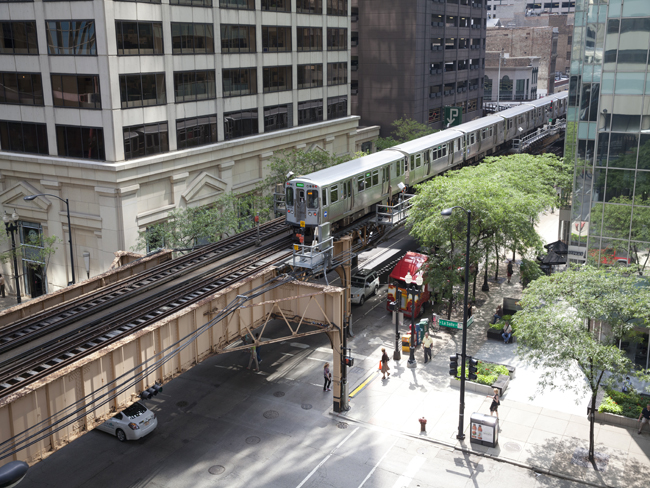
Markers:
496,335
501,383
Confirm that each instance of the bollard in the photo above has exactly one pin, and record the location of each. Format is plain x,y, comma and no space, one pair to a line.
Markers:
423,425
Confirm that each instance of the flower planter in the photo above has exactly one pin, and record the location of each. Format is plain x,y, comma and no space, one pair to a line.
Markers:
612,419
471,386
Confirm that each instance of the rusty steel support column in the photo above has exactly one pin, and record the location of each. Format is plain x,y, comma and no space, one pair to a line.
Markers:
343,254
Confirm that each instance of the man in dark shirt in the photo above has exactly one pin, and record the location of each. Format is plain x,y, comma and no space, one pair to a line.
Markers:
644,418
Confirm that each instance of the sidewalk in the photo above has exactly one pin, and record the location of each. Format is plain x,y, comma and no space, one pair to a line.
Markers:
542,433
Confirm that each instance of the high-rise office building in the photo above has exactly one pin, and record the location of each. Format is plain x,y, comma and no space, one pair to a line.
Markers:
130,109
608,132
414,57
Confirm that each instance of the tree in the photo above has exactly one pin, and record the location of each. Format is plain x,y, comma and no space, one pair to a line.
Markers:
573,333
405,130
505,196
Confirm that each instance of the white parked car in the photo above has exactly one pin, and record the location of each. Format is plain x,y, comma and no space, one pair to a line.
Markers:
131,424
363,284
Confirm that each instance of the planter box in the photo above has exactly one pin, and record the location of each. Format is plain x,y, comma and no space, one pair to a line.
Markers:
471,386
612,419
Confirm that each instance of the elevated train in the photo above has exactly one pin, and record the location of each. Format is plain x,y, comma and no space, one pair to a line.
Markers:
341,194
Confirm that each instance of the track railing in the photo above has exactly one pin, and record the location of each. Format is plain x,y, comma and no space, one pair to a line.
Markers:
395,214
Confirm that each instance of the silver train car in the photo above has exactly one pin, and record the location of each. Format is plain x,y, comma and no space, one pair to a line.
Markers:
341,194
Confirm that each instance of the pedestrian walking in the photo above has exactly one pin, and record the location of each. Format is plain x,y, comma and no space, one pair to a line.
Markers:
494,407
644,418
257,349
507,333
509,270
427,342
2,285
384,363
253,358
328,377
497,315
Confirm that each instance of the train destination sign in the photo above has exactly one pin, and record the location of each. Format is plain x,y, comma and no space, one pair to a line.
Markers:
453,116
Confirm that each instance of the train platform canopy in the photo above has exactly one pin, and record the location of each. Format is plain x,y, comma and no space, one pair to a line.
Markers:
411,263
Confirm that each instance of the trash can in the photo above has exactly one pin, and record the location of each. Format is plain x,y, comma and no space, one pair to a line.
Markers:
424,327
484,429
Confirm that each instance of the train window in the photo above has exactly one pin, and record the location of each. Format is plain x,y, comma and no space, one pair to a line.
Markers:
334,193
288,197
491,129
324,197
368,180
434,154
418,160
412,162
385,174
348,192
398,167
472,138
375,177
360,183
426,156
482,134
312,199
444,150
509,124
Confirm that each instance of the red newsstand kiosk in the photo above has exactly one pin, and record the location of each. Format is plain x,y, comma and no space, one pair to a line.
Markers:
411,263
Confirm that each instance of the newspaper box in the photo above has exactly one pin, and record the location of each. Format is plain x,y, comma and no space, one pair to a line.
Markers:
484,429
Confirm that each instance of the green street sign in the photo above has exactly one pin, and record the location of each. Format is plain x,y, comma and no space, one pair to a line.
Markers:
449,323
453,116
455,325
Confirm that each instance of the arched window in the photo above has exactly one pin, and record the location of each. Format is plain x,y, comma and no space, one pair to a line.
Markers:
505,88
487,88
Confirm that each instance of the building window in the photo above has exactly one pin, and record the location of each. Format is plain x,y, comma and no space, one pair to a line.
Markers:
309,6
18,38
276,39
80,142
337,74
310,75
277,78
196,131
472,104
337,7
337,107
310,112
240,124
77,91
505,88
191,3
337,39
145,140
237,39
354,39
240,4
135,1
189,38
142,90
310,38
434,115
21,88
138,38
278,117
71,38
354,87
239,81
190,86
23,137
277,5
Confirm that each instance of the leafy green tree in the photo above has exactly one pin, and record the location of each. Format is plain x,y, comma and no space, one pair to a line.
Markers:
405,129
505,196
573,334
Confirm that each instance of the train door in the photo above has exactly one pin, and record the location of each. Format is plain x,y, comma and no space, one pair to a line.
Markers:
428,156
405,168
385,179
301,205
458,149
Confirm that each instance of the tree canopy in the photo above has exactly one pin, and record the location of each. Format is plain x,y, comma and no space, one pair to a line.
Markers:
405,129
570,323
505,196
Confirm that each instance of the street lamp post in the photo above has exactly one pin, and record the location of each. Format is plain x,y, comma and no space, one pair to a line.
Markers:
10,229
414,288
397,355
67,206
446,213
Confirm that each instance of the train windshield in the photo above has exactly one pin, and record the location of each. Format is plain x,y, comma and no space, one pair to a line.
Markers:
289,196
312,199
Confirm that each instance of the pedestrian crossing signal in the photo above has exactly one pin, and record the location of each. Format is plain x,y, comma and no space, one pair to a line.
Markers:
347,361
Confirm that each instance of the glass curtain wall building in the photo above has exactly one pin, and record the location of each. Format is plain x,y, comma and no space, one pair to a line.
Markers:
608,131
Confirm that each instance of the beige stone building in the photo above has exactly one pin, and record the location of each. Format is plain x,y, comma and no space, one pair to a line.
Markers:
132,109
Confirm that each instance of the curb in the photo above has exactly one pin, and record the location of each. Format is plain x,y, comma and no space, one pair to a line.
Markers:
535,469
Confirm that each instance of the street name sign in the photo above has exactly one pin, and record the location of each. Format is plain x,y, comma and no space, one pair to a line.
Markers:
455,325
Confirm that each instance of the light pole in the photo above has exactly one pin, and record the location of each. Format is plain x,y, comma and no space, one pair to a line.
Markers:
414,288
397,355
67,206
446,213
10,229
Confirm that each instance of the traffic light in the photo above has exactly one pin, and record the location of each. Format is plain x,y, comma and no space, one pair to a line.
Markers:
453,365
473,368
